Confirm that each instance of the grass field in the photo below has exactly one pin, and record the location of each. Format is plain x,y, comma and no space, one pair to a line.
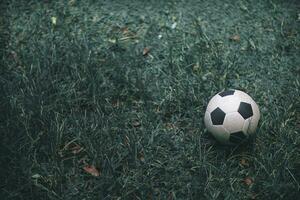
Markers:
122,86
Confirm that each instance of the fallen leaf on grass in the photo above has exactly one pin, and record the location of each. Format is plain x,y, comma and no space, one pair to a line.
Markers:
171,126
126,140
235,38
91,170
290,34
146,51
72,2
115,103
125,30
141,156
248,181
244,162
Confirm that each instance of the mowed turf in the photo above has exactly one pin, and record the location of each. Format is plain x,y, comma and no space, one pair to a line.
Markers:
122,86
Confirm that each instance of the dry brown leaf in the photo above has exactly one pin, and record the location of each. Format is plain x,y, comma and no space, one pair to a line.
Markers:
291,33
146,51
171,126
248,181
125,30
244,162
141,156
235,38
126,140
115,103
72,2
91,170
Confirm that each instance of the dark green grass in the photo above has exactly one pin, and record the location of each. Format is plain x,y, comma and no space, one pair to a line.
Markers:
84,81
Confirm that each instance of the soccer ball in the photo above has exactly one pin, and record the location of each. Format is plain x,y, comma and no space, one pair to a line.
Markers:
231,116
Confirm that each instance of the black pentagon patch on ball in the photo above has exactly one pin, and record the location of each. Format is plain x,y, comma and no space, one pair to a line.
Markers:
237,137
226,93
245,110
217,116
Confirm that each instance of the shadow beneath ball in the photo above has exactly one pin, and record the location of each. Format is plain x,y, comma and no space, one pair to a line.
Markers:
246,145
239,145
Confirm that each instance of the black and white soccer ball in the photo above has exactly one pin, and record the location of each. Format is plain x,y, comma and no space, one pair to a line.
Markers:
231,116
